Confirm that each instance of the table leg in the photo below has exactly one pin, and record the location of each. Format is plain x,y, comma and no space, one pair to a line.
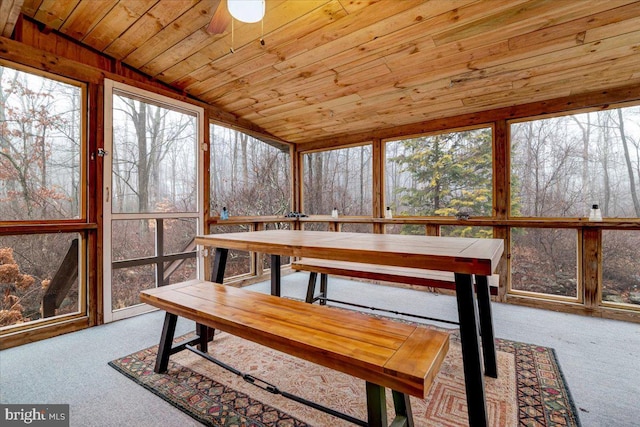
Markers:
486,327
473,376
275,275
219,265
166,341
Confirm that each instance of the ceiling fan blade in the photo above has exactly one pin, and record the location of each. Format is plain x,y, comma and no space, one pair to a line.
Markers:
220,20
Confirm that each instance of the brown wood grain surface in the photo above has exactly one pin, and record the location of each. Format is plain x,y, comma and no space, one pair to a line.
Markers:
406,275
454,254
333,70
397,355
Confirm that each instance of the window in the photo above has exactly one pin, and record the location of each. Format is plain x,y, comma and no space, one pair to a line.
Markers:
39,277
562,166
620,272
544,261
440,175
40,147
248,176
338,178
153,157
42,276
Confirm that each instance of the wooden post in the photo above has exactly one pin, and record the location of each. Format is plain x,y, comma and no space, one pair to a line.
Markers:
92,248
591,248
378,184
296,184
501,200
432,230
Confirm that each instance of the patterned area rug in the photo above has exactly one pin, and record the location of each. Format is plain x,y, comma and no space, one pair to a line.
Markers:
530,390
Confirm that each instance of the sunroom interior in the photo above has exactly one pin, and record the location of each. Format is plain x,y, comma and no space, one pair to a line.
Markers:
131,127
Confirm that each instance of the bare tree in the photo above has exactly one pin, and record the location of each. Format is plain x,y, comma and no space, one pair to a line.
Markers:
627,158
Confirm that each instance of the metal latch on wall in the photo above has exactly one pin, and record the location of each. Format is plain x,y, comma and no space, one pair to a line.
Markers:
101,152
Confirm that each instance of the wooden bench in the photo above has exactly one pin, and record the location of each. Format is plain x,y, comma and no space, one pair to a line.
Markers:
405,275
383,352
385,273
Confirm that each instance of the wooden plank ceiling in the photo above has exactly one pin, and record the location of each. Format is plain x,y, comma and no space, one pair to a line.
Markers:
332,68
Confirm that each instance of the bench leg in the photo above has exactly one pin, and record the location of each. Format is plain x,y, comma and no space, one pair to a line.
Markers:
166,341
324,278
311,287
486,327
376,406
275,275
402,404
473,376
217,276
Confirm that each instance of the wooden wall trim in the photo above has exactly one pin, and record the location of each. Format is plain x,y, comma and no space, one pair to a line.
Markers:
18,228
575,308
14,339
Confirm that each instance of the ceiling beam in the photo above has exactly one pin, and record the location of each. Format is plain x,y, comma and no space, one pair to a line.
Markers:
9,12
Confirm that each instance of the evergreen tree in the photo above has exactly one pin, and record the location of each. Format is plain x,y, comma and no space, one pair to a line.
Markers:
450,173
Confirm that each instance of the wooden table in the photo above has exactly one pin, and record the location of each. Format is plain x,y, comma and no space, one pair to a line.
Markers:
465,257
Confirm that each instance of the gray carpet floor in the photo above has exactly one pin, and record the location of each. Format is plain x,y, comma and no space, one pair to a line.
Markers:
599,358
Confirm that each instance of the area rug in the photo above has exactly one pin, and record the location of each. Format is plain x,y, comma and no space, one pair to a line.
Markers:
529,391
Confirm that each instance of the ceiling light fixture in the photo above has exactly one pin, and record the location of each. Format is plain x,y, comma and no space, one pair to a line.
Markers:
248,11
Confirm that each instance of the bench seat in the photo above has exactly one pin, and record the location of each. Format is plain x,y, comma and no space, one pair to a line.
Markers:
387,353
386,273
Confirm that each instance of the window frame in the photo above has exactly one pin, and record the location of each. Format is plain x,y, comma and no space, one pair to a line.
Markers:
302,155
83,157
79,226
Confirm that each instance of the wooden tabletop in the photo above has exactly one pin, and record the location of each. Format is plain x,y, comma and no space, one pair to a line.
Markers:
455,254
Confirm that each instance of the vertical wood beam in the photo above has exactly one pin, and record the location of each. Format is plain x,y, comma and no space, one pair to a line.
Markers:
432,229
501,200
591,271
257,258
206,173
296,183
206,189
93,247
378,184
